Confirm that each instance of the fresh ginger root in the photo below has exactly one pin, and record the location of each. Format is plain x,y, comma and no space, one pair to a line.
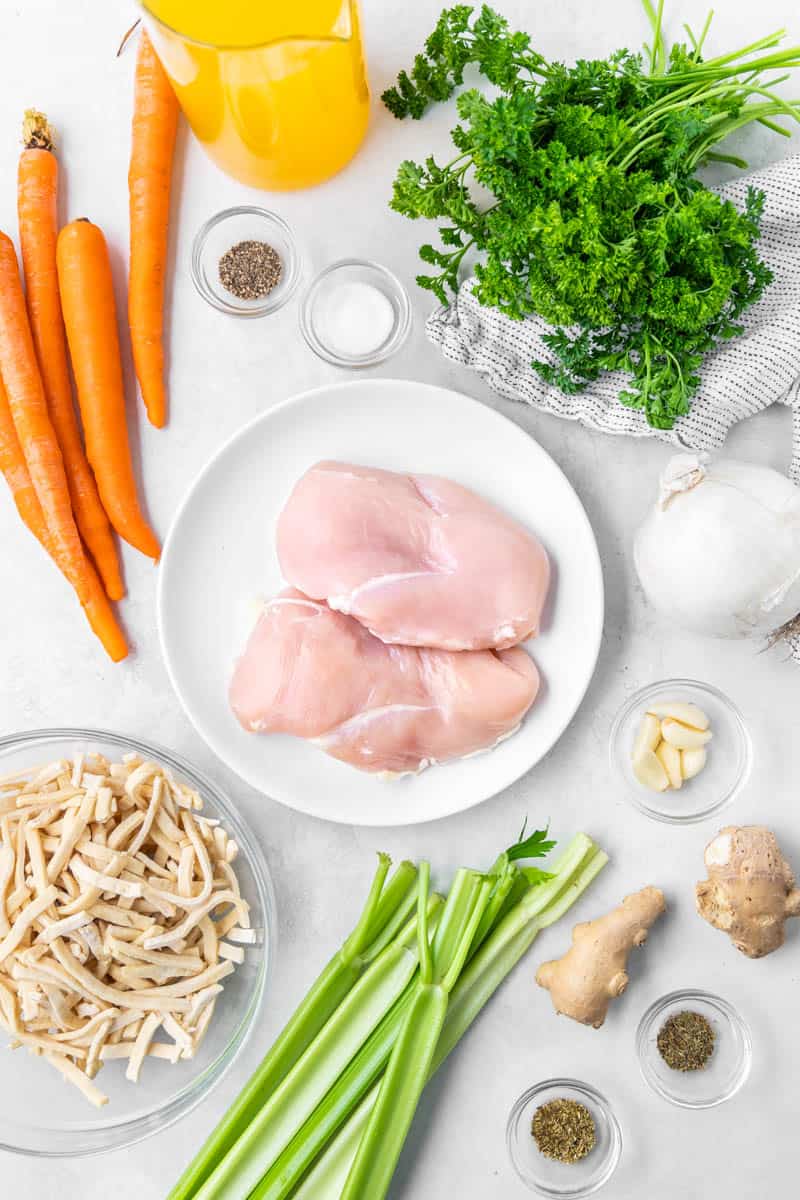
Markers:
750,890
583,983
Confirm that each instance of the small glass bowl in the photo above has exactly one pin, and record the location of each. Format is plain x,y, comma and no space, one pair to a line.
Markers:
356,270
244,224
42,1116
547,1176
727,1068
729,754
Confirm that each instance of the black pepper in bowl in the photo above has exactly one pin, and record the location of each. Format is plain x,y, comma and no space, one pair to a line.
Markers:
250,270
686,1041
564,1130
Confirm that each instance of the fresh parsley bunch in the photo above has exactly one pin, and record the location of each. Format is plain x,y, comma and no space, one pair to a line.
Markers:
598,224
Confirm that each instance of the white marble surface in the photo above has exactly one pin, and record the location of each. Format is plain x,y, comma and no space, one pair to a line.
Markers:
60,57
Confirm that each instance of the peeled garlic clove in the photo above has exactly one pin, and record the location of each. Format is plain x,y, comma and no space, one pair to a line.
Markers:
683,737
693,761
648,770
649,735
670,759
687,714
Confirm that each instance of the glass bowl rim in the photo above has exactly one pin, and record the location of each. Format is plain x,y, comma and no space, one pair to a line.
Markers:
597,1097
388,348
123,1134
733,1016
631,794
292,265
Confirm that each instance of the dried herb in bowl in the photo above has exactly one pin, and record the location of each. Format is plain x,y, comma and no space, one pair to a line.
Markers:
686,1041
564,1130
597,222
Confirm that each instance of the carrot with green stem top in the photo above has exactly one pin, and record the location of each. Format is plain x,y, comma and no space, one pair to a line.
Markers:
52,522
90,318
38,230
155,121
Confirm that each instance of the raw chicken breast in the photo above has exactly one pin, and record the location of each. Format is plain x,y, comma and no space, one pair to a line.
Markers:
321,675
417,559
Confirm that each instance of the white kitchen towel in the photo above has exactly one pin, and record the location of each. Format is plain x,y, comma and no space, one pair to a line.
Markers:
747,374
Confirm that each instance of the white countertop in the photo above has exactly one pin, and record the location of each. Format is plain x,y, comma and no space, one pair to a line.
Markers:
61,58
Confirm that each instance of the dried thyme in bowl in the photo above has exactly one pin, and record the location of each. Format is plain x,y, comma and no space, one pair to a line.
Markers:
564,1130
686,1041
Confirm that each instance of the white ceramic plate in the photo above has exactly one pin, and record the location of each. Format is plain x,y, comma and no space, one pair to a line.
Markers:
219,560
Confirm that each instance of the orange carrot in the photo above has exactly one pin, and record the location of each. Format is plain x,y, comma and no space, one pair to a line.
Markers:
15,470
37,437
87,301
52,521
100,616
155,121
38,230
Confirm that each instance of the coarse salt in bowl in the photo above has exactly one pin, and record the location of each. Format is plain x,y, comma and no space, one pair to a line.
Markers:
355,314
41,1114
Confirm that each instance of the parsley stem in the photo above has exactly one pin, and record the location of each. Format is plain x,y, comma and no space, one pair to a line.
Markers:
774,126
658,55
784,106
765,43
728,158
676,103
697,43
707,70
722,127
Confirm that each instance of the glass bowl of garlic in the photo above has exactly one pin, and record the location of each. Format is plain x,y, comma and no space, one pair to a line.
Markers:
681,750
105,797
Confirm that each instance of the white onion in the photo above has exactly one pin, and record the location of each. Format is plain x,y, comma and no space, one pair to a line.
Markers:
720,551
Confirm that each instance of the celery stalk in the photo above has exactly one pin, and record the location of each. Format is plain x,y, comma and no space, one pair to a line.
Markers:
329,1174
511,883
504,885
329,1116
384,908
412,1056
317,1069
365,1068
348,1091
369,1063
513,937
543,904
